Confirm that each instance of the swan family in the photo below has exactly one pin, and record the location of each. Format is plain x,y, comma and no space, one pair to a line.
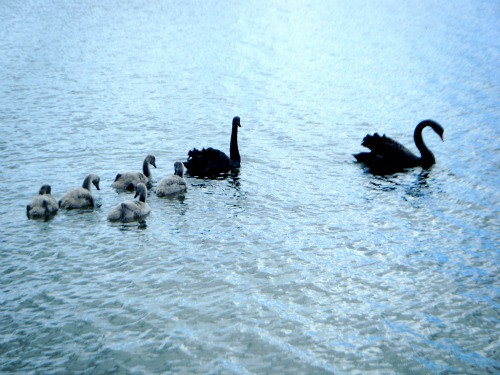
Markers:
386,156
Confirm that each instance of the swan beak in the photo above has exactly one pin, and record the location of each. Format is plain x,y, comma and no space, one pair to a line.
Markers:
154,164
442,137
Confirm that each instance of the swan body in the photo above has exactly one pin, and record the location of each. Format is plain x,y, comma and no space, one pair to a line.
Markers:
42,205
210,161
132,210
80,197
129,180
389,156
174,183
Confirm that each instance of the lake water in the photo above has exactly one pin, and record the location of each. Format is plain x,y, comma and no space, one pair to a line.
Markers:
302,263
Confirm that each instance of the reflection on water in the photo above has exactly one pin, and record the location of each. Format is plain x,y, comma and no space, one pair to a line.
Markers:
138,224
420,187
302,261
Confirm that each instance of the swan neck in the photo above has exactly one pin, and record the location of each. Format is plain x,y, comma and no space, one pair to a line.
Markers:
234,153
141,192
87,182
426,154
145,168
179,169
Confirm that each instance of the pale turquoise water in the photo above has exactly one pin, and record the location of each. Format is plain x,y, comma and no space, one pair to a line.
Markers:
302,263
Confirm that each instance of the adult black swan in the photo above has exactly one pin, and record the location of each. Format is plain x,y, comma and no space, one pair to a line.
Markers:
389,156
211,162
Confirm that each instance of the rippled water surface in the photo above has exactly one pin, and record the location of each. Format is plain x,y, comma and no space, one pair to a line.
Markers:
304,261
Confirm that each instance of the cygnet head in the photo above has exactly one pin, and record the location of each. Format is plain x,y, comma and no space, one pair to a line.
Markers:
179,169
95,180
91,178
151,160
45,189
141,191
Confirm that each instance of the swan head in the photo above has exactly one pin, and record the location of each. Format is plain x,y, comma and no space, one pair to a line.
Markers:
91,178
95,180
151,160
435,126
141,191
179,169
236,122
45,189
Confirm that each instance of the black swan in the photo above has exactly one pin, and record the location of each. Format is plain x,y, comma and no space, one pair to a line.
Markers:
388,155
211,162
132,210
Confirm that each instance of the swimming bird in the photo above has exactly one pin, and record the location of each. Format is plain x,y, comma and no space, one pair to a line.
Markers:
210,161
174,183
132,210
42,205
80,197
129,180
389,156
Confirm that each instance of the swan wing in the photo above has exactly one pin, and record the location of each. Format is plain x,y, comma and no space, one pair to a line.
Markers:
125,211
170,185
129,180
42,205
208,161
77,198
387,148
172,180
132,210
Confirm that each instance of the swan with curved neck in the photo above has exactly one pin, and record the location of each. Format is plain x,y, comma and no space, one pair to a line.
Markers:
43,205
388,155
129,180
132,210
174,183
210,161
81,197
